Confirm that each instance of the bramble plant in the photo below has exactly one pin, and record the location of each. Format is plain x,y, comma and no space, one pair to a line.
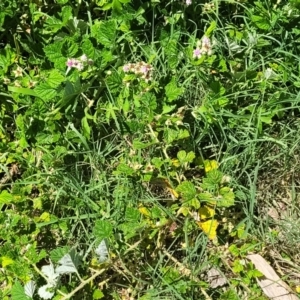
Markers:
138,142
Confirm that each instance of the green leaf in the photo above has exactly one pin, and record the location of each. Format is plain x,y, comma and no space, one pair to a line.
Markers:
66,13
182,134
172,91
206,197
181,155
6,197
226,197
104,32
234,250
215,176
132,214
45,91
18,293
55,78
69,49
116,6
170,135
98,294
62,1
86,127
190,157
140,145
22,91
58,253
211,28
7,57
53,52
187,190
102,229
124,169
184,157
88,49
261,22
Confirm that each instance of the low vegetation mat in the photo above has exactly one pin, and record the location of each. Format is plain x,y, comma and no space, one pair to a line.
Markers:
149,149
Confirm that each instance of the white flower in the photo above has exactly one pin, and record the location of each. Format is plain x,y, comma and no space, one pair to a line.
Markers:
83,57
18,72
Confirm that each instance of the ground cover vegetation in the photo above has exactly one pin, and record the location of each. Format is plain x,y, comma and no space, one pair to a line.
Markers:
147,147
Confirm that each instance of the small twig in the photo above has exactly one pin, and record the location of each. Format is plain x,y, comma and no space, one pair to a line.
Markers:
187,272
83,283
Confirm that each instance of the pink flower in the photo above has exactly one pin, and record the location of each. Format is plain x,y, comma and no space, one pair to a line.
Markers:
70,62
144,69
126,68
197,53
206,41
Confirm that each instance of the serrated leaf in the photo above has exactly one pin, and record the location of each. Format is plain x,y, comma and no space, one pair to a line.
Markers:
104,32
187,190
68,263
88,49
6,261
183,134
51,275
226,197
53,51
132,214
55,79
69,49
45,91
215,176
261,22
102,251
6,197
173,91
29,288
18,293
66,13
206,197
46,291
58,253
181,155
102,229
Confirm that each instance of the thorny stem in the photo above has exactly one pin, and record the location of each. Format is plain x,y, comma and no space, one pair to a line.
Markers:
85,282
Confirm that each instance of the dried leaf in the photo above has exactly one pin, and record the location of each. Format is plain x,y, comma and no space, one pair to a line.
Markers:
271,284
215,278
